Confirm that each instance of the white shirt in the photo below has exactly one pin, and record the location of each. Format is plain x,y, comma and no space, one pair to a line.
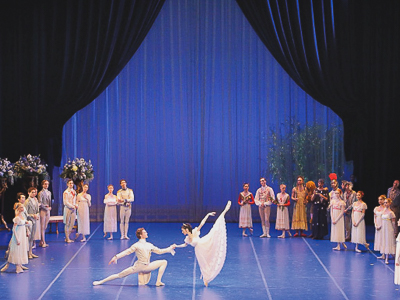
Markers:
143,251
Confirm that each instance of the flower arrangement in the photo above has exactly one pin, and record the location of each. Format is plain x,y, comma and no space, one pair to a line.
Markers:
7,170
30,165
78,169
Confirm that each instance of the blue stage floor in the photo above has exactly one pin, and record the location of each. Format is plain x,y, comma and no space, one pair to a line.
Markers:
255,268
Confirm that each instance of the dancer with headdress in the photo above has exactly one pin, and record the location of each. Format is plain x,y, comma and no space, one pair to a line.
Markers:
210,249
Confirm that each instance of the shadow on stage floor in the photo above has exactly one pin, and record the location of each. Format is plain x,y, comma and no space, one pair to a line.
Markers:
255,268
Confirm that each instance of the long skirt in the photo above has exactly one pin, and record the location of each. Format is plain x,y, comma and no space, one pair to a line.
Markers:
282,219
110,218
83,218
245,220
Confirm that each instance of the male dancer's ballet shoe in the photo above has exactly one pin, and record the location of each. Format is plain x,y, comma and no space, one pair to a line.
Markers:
24,268
3,269
96,282
159,283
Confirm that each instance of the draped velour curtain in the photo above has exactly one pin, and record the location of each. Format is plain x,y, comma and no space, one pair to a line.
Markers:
55,58
345,54
188,120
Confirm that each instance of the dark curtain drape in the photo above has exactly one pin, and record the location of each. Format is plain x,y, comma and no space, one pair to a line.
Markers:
55,58
345,54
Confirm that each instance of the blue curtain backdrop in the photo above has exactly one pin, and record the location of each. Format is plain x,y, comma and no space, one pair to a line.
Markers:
187,120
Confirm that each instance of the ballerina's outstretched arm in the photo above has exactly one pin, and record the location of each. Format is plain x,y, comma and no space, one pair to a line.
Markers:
205,219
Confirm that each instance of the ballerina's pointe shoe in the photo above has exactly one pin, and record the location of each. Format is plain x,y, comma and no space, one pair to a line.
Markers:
159,283
3,269
24,268
251,231
96,282
110,238
243,234
336,248
358,250
228,206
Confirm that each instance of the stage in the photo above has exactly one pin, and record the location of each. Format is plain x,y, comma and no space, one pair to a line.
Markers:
255,268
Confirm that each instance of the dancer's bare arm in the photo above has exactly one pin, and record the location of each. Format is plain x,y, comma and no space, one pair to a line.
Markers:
205,219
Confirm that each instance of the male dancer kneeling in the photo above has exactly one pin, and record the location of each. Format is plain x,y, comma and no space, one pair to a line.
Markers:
143,266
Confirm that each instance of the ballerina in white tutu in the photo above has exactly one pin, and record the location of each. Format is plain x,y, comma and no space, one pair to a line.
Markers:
210,249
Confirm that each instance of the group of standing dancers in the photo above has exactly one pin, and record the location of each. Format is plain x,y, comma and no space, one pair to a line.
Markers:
346,208
31,219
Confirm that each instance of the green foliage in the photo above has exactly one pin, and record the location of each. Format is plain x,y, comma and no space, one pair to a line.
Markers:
311,151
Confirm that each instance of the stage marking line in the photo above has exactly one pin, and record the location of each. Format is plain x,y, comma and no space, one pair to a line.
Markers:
126,277
259,268
382,261
63,269
194,279
326,269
